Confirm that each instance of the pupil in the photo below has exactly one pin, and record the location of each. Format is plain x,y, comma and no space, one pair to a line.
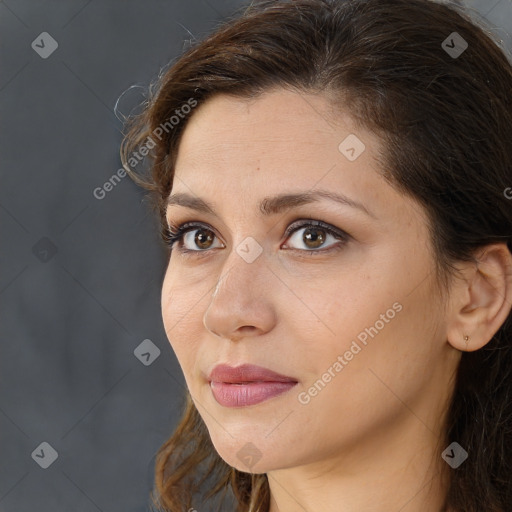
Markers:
312,235
202,239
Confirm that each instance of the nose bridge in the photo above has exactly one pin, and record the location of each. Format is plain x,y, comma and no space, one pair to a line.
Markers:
241,273
239,298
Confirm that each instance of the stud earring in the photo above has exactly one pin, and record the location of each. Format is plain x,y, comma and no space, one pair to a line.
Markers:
466,338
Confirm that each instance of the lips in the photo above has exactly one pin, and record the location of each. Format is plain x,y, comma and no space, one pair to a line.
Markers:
246,385
246,373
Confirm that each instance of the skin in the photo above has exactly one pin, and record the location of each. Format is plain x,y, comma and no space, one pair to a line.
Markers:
371,439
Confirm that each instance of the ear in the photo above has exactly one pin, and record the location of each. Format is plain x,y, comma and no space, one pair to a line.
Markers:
481,299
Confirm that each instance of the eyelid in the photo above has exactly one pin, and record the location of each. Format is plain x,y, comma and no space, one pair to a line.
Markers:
303,222
179,230
291,227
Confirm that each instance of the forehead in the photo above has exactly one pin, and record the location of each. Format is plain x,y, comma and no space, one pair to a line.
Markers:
278,116
280,134
235,152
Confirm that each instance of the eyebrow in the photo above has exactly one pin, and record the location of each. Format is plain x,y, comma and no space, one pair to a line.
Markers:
271,205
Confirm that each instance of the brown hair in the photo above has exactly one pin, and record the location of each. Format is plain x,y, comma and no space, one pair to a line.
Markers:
446,124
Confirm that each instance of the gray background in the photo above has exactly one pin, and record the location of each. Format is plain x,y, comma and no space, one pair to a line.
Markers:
80,276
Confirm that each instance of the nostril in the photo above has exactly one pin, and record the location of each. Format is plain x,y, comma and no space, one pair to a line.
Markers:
243,331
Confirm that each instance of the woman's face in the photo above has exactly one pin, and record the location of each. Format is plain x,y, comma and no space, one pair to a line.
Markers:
348,309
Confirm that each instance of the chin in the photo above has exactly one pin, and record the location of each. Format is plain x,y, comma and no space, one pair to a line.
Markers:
251,453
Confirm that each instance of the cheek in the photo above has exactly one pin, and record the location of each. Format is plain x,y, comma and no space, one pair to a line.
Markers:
368,384
337,309
184,291
373,318
183,304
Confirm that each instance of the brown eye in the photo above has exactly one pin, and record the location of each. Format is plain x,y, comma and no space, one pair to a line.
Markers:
190,238
310,236
314,237
203,238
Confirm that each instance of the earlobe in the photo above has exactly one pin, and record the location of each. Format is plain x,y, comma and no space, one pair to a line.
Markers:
481,300
466,341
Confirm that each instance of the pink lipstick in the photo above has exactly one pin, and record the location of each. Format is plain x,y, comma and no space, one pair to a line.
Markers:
247,384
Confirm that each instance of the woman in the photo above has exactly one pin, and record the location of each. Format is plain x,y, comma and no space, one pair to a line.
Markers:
331,178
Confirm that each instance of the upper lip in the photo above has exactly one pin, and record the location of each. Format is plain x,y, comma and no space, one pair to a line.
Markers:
246,373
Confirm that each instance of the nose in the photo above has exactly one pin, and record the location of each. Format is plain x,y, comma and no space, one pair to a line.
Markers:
241,304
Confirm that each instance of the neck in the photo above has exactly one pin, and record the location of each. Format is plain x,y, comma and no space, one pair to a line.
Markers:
388,472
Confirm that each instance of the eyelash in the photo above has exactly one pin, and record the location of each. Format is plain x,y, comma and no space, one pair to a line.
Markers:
174,234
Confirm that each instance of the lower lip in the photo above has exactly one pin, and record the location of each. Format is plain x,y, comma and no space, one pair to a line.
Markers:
251,393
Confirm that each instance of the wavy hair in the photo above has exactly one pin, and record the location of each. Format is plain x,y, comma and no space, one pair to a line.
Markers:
446,125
